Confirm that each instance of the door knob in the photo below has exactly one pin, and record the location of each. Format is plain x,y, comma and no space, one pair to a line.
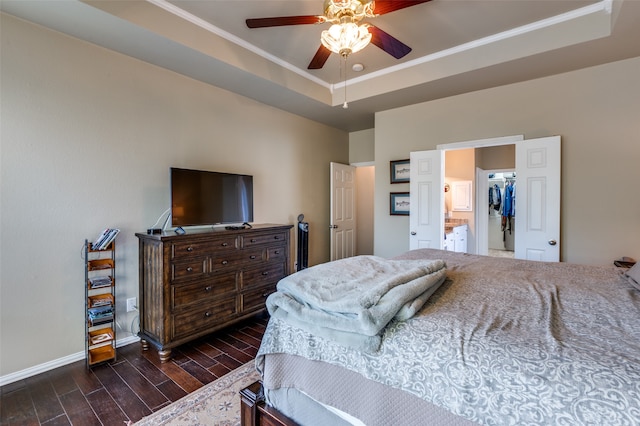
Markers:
552,242
333,226
413,232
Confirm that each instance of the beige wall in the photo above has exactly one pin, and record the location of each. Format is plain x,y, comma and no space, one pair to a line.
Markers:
496,157
361,146
596,112
88,136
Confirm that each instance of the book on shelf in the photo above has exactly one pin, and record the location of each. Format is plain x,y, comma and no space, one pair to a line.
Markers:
105,238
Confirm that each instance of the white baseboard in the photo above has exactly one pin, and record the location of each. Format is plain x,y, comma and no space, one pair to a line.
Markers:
50,365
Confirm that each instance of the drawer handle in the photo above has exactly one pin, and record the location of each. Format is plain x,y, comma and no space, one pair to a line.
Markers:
277,252
225,262
189,248
265,273
207,314
189,269
224,244
276,237
253,240
208,288
265,294
252,257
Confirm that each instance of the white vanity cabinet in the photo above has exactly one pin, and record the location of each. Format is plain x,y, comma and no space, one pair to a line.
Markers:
460,238
456,239
449,242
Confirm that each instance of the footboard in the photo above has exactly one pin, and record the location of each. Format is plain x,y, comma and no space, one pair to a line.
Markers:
255,412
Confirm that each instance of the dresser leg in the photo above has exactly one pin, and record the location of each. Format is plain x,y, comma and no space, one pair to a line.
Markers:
165,355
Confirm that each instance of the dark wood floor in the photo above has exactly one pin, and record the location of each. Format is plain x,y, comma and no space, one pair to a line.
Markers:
131,388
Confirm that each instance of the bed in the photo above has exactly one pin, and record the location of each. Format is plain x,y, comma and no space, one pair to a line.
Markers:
499,341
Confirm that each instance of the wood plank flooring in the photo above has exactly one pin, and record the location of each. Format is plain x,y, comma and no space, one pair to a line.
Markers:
133,387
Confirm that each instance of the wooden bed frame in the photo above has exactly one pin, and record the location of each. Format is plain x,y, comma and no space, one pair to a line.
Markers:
255,412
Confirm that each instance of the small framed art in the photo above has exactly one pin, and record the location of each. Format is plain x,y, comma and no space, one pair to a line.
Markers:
399,203
400,171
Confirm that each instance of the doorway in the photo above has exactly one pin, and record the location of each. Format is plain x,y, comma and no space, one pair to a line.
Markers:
501,213
355,201
537,162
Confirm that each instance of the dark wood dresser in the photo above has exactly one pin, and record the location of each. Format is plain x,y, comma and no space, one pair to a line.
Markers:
204,280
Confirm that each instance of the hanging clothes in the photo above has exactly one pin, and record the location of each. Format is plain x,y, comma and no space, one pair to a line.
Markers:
509,205
513,199
495,198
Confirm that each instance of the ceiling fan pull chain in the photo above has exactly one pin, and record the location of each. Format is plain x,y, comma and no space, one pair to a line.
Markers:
345,105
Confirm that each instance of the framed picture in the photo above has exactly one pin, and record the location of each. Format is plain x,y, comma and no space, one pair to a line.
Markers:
399,203
400,171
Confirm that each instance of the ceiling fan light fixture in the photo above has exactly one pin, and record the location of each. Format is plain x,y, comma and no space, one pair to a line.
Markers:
346,38
334,10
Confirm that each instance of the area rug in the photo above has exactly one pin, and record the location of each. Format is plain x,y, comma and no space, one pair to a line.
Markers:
217,403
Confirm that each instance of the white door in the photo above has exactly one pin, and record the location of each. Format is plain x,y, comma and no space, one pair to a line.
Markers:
343,211
482,214
426,210
537,216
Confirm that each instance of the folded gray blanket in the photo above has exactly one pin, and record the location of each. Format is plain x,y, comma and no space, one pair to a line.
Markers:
351,300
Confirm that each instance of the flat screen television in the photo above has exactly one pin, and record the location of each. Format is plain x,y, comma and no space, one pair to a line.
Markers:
201,197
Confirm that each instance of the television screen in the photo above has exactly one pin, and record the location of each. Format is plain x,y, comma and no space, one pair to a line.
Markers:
207,198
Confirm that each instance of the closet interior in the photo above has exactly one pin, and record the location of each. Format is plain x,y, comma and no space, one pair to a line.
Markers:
502,214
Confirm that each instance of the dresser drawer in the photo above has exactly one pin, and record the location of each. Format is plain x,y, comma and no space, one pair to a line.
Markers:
255,298
183,250
188,269
254,240
196,320
232,260
268,273
277,252
185,295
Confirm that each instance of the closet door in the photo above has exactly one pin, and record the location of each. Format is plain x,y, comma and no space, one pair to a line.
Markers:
538,199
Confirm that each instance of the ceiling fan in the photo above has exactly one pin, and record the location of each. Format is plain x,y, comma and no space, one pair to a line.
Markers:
346,35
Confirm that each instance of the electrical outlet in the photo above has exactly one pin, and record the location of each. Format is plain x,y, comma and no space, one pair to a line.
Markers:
131,304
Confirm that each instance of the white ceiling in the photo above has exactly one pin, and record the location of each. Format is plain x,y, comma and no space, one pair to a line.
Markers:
458,46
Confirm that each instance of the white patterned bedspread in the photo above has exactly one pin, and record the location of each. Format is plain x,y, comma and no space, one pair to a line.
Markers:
506,342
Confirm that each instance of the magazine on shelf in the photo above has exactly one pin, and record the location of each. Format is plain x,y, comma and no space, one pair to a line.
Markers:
100,239
100,311
98,282
100,321
101,300
100,314
99,338
105,238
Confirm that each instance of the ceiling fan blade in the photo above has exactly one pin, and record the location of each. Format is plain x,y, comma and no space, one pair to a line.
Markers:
388,43
284,20
386,6
320,58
